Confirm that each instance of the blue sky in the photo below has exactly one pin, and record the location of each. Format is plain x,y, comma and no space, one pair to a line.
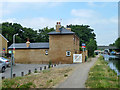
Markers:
101,16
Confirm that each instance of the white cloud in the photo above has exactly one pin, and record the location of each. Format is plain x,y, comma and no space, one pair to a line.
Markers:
81,16
84,13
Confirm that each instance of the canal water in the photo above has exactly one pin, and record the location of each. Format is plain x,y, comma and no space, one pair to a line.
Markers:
113,62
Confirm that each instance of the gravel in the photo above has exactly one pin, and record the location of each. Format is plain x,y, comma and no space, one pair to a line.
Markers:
18,68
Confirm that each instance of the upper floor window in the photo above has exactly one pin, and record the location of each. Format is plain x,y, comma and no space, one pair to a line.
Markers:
68,53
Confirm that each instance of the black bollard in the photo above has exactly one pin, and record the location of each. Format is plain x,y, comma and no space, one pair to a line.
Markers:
14,75
3,77
40,68
29,71
44,67
22,73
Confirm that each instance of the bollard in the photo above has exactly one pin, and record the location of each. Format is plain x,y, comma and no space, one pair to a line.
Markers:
29,71
44,67
40,68
22,73
51,65
35,70
14,75
3,77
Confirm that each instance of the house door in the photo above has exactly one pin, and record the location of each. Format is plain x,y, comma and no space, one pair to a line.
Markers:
77,58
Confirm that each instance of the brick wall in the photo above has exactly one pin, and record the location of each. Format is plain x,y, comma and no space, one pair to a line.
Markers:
36,56
3,44
58,45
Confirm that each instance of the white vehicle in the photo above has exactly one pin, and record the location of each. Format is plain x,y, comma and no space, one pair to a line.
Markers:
2,66
5,60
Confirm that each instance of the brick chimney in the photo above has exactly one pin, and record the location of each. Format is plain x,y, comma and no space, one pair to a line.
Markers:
27,43
58,26
68,28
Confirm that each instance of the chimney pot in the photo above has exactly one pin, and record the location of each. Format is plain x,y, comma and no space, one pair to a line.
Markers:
58,26
27,43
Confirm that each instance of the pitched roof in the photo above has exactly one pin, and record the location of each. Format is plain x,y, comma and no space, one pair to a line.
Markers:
63,31
32,46
4,37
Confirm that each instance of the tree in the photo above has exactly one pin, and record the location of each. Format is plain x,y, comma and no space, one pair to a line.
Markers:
91,47
9,29
117,43
84,32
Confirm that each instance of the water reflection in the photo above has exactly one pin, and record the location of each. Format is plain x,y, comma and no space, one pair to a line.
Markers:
113,62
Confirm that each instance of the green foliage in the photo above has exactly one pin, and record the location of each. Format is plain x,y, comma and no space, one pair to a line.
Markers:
49,81
50,63
84,32
65,75
101,76
117,43
27,85
9,29
112,44
87,36
91,46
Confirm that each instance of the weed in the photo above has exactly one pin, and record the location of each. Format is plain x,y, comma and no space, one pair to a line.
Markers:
27,85
49,81
65,75
101,76
35,71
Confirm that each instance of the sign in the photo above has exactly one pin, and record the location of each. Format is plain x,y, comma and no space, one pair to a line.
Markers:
77,58
10,52
83,45
3,49
13,51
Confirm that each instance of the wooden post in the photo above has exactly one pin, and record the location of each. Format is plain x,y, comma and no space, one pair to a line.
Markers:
22,73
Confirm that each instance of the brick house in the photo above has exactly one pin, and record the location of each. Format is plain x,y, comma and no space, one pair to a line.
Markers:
3,44
63,43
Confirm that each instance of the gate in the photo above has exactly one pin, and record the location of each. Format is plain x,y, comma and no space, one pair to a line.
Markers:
77,58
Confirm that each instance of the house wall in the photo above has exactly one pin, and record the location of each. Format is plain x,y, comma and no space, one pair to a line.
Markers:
58,45
36,56
3,44
76,43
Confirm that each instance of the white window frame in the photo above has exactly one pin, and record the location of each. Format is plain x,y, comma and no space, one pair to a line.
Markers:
46,52
68,54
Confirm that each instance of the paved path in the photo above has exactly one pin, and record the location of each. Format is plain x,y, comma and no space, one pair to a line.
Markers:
79,76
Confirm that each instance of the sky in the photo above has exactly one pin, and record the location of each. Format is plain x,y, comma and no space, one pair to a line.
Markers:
100,16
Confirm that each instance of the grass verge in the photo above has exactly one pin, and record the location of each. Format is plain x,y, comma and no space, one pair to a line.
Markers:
101,76
45,79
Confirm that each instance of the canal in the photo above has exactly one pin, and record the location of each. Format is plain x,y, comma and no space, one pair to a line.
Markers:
113,62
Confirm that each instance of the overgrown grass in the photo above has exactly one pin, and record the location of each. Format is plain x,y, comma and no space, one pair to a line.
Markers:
101,76
45,79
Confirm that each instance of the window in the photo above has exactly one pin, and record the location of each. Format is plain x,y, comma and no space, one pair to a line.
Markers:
68,53
46,52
